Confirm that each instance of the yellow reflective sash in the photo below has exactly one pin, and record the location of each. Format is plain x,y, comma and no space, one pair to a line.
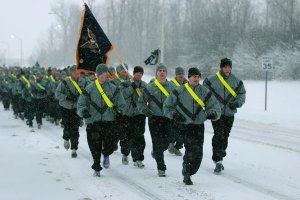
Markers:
104,96
26,80
176,82
76,85
226,85
194,95
166,93
138,91
117,75
52,78
40,86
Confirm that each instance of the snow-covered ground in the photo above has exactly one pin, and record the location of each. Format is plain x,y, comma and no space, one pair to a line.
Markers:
263,159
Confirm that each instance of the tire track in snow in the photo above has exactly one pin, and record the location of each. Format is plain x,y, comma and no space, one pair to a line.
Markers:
280,137
144,193
252,185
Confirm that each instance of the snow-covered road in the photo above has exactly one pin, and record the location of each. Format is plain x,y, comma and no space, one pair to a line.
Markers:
263,162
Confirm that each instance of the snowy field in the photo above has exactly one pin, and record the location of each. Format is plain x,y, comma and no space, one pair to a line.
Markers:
263,159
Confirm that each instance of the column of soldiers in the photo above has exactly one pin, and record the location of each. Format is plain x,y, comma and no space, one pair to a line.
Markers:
115,105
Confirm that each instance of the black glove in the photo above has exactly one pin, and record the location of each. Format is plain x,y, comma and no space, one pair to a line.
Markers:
178,117
133,85
210,114
86,114
72,98
233,105
146,111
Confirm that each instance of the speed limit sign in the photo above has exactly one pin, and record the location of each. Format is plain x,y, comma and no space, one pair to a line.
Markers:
267,63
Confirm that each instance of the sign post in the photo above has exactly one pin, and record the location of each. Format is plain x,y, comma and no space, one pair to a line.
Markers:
267,64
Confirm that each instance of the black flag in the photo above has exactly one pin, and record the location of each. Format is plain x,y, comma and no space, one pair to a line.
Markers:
153,59
93,45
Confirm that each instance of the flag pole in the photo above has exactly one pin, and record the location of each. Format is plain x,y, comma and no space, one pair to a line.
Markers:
121,61
118,56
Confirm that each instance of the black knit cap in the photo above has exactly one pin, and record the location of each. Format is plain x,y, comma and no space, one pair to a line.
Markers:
193,71
225,62
137,69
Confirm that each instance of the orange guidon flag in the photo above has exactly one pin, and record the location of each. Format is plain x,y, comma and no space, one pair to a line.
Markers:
93,45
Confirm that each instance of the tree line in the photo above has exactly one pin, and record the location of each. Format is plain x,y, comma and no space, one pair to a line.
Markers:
189,33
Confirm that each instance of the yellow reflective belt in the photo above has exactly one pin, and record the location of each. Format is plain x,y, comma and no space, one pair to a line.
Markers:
194,95
40,86
176,82
26,80
117,75
166,93
52,78
226,85
76,85
138,91
104,96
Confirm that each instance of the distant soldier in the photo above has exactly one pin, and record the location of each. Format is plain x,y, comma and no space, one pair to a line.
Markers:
14,92
191,104
111,73
151,104
177,144
67,92
5,89
121,123
24,87
55,112
134,141
39,88
99,106
231,94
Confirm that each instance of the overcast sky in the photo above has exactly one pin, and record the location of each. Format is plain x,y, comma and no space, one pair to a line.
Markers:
26,19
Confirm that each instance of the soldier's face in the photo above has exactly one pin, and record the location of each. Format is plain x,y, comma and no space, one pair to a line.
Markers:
102,77
226,70
123,72
113,72
194,80
161,74
180,77
138,76
92,77
75,75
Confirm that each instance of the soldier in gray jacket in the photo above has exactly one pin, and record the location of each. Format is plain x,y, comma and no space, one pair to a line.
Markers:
5,89
177,144
67,93
24,88
134,140
151,104
100,105
229,102
184,108
39,88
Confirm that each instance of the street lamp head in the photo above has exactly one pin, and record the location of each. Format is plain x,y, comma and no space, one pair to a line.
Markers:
12,36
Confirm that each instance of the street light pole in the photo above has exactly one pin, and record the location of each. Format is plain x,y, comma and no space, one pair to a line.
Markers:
21,48
7,57
64,27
